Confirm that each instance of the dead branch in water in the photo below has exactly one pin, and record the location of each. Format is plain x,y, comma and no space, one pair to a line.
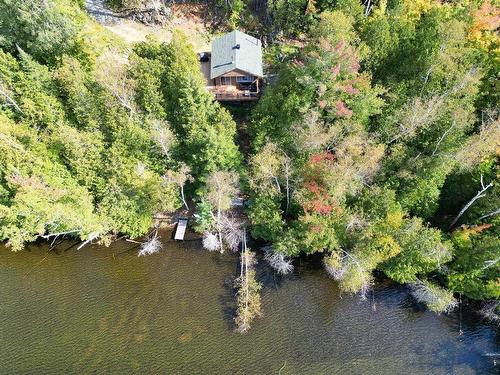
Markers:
281,264
248,297
151,246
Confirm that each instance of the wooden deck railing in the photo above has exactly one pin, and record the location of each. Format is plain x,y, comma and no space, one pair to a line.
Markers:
238,95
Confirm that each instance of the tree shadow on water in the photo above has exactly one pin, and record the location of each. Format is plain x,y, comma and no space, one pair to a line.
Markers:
227,299
268,277
449,358
412,306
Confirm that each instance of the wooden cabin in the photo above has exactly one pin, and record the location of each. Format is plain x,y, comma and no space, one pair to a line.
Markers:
233,68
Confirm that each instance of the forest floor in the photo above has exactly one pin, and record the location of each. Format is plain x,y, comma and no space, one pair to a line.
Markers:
188,18
241,115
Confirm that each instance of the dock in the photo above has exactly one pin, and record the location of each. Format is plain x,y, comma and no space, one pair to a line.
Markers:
181,229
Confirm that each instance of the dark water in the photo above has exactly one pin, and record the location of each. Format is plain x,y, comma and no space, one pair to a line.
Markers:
104,310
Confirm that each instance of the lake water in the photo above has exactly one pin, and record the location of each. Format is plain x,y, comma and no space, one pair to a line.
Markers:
104,310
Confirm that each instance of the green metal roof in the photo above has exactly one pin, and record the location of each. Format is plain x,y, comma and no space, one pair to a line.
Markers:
227,57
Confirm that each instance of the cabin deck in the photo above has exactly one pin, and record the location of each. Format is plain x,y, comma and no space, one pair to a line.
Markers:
229,93
232,93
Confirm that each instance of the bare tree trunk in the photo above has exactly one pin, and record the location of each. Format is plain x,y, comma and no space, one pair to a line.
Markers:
476,197
426,79
287,181
242,266
165,149
277,183
246,272
248,298
219,228
156,6
183,198
47,236
496,212
124,103
56,235
12,102
419,117
92,236
368,8
442,138
366,284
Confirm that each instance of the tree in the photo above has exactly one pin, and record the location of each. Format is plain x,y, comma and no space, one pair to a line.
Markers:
205,130
423,250
78,127
266,170
266,216
180,177
222,187
232,10
304,176
482,34
112,73
431,113
380,236
163,136
290,16
481,145
7,95
147,70
476,265
46,29
39,196
479,194
271,168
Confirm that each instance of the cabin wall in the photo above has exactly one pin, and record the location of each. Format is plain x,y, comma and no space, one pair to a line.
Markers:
232,79
218,80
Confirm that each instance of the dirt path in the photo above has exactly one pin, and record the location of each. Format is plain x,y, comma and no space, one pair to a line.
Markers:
240,113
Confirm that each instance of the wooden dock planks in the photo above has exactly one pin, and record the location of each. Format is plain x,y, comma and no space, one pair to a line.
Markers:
181,229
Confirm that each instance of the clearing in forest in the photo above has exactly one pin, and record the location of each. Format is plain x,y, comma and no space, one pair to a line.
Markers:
188,18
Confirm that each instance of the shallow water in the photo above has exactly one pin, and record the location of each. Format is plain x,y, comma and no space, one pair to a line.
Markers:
104,310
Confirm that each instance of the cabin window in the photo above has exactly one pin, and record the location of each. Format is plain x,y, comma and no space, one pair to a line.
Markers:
225,81
244,79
